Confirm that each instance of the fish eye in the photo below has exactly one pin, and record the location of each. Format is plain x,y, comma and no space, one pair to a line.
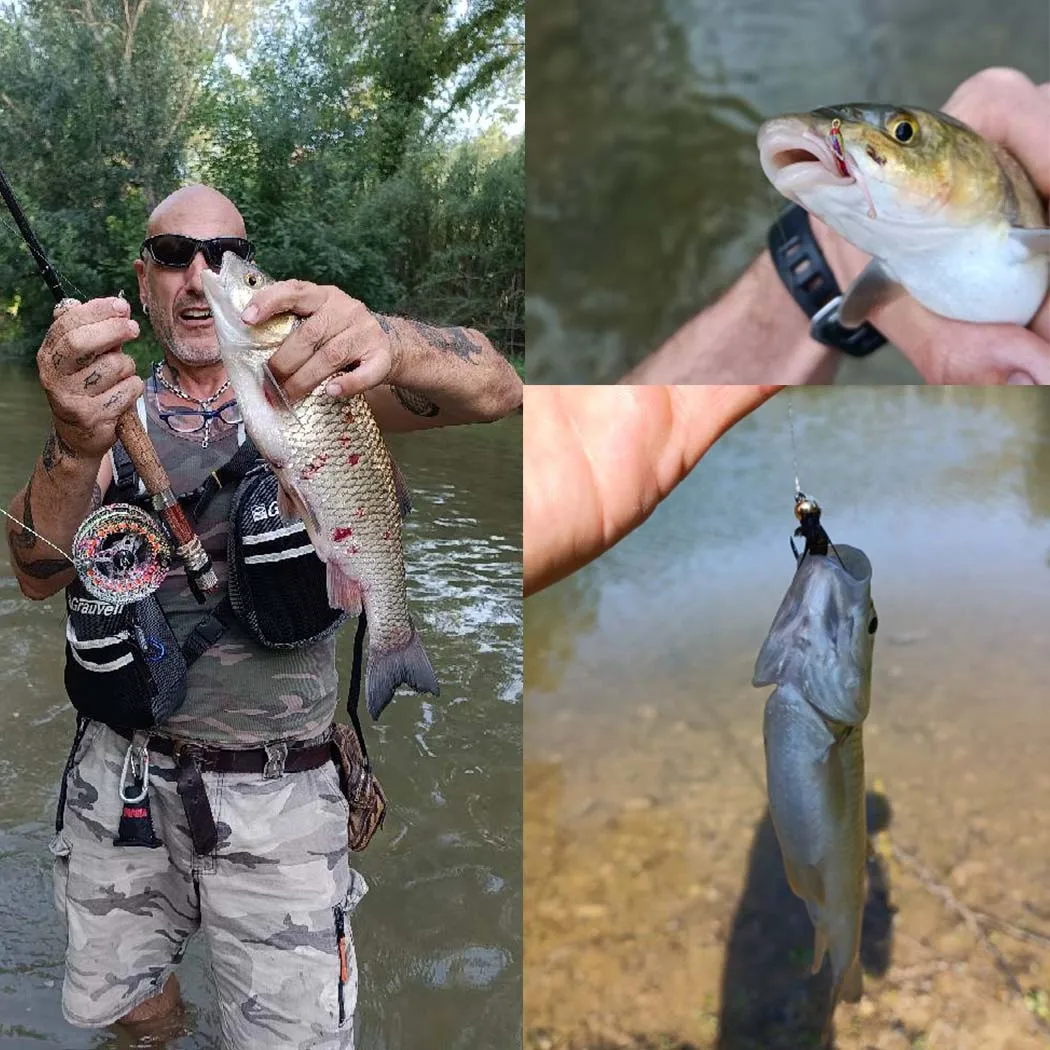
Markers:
873,624
903,129
251,279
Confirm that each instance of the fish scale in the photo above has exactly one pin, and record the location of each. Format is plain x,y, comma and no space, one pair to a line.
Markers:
336,473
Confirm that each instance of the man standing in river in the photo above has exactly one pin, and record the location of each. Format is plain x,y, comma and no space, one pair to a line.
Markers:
272,894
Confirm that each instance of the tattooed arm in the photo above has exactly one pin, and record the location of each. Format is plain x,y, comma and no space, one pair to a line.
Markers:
441,376
415,375
62,489
89,383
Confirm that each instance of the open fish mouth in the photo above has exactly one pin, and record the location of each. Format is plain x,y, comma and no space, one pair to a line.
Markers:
795,158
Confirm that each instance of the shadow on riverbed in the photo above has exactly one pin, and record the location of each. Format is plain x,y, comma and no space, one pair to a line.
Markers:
769,999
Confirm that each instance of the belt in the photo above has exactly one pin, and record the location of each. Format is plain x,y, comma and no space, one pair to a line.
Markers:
298,757
191,759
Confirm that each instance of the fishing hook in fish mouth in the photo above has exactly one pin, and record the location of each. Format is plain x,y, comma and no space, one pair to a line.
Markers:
807,511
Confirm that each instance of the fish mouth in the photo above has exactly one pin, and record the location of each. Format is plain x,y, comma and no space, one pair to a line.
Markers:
795,158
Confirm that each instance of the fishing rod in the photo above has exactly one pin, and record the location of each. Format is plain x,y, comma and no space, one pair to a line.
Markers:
111,564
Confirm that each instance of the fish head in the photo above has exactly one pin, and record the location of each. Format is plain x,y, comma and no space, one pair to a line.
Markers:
229,291
872,171
823,634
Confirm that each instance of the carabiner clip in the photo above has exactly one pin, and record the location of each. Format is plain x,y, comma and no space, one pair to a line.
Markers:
139,770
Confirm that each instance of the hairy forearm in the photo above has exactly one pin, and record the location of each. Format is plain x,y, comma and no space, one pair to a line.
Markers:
59,494
453,374
755,333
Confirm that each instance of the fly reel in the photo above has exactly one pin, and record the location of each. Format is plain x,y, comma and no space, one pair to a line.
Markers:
121,554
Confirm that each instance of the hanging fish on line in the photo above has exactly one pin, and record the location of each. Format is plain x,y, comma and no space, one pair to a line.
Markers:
947,216
818,654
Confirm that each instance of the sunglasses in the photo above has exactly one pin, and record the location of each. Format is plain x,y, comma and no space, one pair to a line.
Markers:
177,251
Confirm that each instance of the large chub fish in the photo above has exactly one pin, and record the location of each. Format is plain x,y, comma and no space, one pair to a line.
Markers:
335,473
818,654
947,216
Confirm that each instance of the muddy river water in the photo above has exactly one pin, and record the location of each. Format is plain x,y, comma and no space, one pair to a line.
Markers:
439,933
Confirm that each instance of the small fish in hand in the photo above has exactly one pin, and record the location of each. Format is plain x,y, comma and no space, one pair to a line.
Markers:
947,216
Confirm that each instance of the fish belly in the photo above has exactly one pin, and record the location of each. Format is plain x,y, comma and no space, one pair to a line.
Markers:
816,803
979,276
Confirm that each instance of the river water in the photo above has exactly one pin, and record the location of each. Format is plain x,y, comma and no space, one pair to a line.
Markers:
657,914
439,934
646,198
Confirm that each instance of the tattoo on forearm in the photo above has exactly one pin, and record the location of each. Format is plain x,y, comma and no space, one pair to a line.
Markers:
41,568
25,538
54,450
96,497
451,340
417,404
92,380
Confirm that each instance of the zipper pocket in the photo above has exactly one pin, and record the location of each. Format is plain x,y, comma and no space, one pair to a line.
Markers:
344,969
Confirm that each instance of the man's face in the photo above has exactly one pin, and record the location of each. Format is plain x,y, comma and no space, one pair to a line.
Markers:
178,310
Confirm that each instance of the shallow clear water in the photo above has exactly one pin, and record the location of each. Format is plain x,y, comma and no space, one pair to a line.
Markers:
650,864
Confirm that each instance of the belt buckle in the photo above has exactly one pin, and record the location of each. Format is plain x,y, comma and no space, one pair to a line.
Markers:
276,756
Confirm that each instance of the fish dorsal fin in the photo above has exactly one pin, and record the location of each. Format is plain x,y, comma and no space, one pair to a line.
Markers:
1036,240
872,287
404,500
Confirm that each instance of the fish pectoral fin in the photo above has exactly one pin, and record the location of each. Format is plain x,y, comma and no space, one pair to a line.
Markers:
277,391
820,947
873,287
292,507
1037,240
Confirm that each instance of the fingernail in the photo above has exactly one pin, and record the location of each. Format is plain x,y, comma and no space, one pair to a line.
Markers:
333,390
134,329
250,314
1020,379
121,304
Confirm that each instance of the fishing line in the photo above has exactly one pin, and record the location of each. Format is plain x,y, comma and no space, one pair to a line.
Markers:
66,282
22,525
794,444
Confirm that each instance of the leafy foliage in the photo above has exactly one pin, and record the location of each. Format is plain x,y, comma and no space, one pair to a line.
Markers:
341,130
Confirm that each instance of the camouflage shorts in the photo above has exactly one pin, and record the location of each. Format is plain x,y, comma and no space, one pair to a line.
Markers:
265,900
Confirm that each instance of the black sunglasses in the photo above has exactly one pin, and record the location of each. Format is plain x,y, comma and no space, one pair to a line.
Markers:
177,251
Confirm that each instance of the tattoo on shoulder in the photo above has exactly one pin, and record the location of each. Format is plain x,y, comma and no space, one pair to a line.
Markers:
450,340
417,404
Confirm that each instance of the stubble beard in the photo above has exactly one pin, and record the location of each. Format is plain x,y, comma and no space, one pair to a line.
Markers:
186,353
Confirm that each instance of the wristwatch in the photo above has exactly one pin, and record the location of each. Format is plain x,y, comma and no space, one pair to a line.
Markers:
805,272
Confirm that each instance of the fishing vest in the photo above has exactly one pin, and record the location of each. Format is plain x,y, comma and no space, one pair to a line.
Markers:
126,666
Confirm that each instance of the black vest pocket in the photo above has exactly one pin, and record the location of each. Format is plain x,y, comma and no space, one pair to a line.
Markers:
278,586
123,664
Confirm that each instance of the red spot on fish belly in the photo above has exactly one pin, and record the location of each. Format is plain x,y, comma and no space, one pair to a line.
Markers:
359,513
386,534
314,466
353,459
341,533
354,549
345,440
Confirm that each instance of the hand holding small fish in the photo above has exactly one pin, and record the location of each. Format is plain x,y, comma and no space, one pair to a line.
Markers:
619,450
337,334
1006,108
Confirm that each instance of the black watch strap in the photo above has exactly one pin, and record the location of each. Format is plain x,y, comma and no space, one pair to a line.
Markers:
805,272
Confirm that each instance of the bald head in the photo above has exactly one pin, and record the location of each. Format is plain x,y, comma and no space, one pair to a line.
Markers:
195,207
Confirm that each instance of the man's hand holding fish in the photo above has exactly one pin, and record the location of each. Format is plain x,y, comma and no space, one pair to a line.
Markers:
1008,109
953,220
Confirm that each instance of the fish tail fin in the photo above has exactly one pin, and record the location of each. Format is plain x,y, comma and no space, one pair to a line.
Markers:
387,669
